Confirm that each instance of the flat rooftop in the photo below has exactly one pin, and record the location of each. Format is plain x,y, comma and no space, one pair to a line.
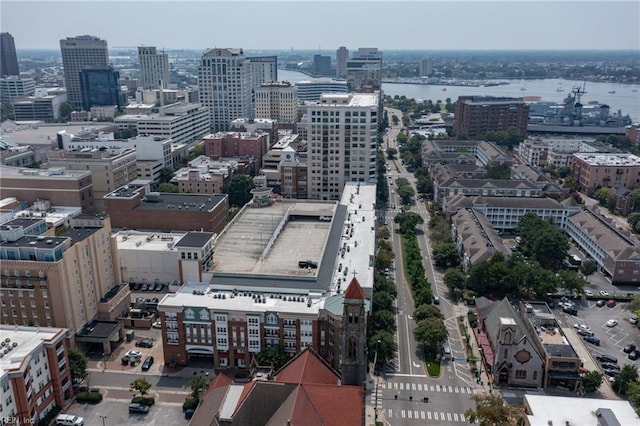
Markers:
562,410
33,241
204,295
195,239
55,216
27,340
79,234
348,99
148,241
609,159
51,173
46,134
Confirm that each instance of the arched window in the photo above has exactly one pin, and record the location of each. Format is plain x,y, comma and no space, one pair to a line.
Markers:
352,348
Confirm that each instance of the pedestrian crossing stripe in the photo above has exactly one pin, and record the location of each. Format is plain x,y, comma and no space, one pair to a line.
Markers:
427,415
428,388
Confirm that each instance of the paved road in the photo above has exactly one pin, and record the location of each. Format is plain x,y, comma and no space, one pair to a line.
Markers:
400,393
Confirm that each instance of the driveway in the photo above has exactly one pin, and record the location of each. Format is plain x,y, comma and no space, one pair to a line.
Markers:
115,412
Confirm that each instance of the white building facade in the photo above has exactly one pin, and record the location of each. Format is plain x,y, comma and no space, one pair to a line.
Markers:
278,101
154,67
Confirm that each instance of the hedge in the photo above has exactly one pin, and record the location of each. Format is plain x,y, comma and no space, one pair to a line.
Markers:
189,402
148,401
89,397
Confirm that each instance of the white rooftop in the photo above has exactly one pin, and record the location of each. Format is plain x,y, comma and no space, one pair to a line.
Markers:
609,159
563,410
148,241
354,99
27,339
54,216
204,295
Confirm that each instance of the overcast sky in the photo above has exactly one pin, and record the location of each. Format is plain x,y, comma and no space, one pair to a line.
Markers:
417,25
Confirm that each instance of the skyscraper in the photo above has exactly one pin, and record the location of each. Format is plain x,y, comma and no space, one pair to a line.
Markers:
78,53
364,68
100,87
342,56
225,86
321,65
154,67
278,101
342,135
426,67
264,69
8,57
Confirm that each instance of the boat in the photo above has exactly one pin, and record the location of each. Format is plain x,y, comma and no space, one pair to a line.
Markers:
560,89
444,89
634,90
612,91
523,88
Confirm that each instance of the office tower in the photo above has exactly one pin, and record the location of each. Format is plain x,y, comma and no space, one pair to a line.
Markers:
99,86
310,90
8,57
264,69
342,56
426,67
342,135
478,115
321,65
364,70
12,88
78,53
225,86
154,67
44,107
278,101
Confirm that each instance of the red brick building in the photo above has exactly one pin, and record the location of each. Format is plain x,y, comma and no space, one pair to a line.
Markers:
243,146
478,115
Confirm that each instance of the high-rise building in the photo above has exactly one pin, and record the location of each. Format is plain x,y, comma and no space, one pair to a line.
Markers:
154,67
342,135
342,56
364,70
78,53
264,69
321,65
225,86
309,90
8,57
99,86
278,101
478,115
426,67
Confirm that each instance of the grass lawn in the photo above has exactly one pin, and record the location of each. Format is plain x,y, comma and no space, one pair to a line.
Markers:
433,366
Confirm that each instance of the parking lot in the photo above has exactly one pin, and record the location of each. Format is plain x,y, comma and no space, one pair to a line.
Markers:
116,412
612,339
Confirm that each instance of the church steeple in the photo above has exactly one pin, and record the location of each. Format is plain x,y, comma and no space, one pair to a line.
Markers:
354,331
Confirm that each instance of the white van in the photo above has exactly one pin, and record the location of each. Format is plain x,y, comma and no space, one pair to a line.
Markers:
69,420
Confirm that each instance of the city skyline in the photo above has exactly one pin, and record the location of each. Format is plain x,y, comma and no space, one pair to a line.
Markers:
430,25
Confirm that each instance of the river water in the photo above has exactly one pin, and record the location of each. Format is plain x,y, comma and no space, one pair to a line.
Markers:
553,90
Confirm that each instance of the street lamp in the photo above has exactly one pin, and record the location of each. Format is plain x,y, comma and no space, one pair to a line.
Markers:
103,419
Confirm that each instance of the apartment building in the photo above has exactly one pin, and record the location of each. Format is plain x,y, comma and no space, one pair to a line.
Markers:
457,151
594,170
251,146
35,373
342,56
66,281
204,176
478,115
342,137
110,168
264,69
364,70
277,101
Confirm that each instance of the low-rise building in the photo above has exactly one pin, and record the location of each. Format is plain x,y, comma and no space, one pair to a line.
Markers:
204,176
14,87
475,238
485,187
593,170
43,108
545,410
246,146
487,153
34,372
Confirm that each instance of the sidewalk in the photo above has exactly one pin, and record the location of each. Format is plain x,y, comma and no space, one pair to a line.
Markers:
370,398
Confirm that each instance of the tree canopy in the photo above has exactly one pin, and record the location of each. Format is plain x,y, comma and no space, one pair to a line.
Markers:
140,385
77,365
239,190
431,333
491,410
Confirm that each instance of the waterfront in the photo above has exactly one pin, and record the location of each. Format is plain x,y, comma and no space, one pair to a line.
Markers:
623,99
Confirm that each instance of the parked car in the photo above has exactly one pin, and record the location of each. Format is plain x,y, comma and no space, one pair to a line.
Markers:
633,355
611,323
436,300
633,319
611,303
610,366
133,354
592,339
604,293
137,286
611,373
188,413
144,343
629,348
138,408
606,358
588,292
157,324
585,332
147,363
600,303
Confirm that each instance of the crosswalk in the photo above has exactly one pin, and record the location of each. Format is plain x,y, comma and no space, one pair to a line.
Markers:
427,388
422,415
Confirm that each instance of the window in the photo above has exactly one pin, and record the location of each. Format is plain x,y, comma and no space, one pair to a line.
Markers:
521,374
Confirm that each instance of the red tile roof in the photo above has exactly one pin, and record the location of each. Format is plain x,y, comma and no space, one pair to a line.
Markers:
307,367
219,381
354,291
335,405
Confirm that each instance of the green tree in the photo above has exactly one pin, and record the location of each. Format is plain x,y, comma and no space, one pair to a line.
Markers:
77,365
634,304
382,301
592,381
446,254
273,356
408,222
65,110
633,393
384,342
498,172
550,248
491,410
431,333
628,375
392,152
6,112
633,219
384,320
239,190
197,384
563,172
588,267
166,174
571,281
140,385
603,195
167,187
385,285
427,311
455,280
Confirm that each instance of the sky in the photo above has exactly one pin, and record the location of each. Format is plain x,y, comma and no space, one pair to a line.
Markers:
326,25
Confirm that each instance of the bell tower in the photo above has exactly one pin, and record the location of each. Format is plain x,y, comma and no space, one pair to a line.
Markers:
354,334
